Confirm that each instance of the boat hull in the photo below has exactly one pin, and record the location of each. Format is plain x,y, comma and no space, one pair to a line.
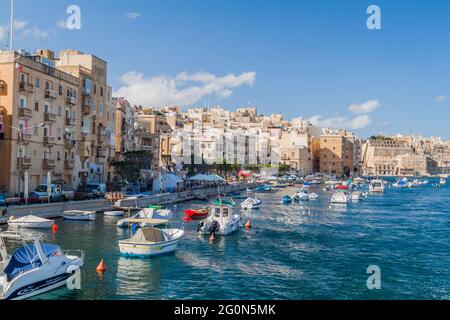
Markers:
147,250
88,217
32,225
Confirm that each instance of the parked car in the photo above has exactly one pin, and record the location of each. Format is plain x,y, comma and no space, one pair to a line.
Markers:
57,193
33,198
98,188
85,193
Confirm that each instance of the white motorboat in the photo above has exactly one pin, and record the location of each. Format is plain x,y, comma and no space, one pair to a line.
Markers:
79,215
301,195
357,195
113,213
221,221
31,222
442,181
251,203
401,184
377,186
313,196
145,214
149,242
340,197
35,268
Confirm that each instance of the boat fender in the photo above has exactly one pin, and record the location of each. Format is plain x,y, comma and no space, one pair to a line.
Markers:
134,228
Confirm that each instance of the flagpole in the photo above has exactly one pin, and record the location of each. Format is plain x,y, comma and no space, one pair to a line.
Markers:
11,26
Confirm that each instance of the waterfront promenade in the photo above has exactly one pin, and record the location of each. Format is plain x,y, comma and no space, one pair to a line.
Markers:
54,210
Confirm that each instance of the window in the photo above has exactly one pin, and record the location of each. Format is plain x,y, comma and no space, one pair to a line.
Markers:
101,107
37,83
45,131
46,108
60,90
23,78
95,89
22,102
36,106
36,131
101,91
59,111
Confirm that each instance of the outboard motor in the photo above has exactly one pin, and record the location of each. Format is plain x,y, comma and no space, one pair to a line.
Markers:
200,226
214,227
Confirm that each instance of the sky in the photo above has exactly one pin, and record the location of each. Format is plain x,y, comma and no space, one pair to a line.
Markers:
314,59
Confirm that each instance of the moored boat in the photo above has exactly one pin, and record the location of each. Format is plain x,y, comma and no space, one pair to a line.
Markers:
196,214
339,197
31,222
251,203
113,213
286,199
221,221
35,268
377,186
79,215
301,195
144,215
150,242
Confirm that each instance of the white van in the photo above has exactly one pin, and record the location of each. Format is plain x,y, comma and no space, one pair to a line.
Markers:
98,188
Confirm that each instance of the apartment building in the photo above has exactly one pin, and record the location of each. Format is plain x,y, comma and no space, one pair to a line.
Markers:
97,124
336,153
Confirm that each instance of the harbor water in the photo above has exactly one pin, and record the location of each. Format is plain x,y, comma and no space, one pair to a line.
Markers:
297,251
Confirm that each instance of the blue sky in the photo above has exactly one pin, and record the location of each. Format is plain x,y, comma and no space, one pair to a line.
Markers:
302,58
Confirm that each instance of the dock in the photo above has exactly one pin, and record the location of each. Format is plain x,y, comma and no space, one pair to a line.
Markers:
55,210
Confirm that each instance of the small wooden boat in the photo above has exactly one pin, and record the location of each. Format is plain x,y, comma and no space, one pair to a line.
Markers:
113,213
79,215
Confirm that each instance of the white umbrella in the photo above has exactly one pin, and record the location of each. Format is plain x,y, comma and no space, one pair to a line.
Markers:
25,187
49,185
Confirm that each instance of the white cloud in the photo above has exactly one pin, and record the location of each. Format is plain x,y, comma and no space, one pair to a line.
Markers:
35,33
340,122
61,24
441,98
20,24
183,89
133,15
365,107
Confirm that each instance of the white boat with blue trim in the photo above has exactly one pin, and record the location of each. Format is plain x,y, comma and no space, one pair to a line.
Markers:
35,268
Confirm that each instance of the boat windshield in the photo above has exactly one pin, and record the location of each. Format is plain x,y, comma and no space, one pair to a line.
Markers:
26,258
217,212
225,212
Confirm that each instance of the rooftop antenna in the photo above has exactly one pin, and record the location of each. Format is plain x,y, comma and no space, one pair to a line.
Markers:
11,25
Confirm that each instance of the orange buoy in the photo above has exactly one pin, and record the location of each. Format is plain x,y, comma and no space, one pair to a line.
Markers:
101,267
248,225
55,228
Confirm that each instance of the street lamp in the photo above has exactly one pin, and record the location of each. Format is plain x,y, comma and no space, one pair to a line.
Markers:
21,131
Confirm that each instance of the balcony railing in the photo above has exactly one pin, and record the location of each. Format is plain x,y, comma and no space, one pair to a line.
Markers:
101,153
26,87
70,121
70,143
25,112
24,162
69,164
49,141
51,94
48,163
49,117
26,137
71,101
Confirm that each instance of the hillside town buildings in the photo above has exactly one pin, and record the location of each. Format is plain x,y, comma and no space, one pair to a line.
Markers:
58,116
